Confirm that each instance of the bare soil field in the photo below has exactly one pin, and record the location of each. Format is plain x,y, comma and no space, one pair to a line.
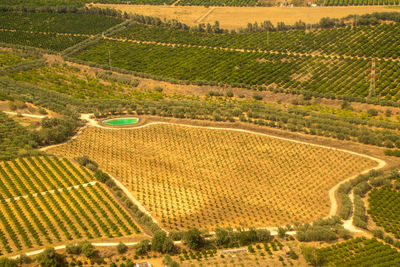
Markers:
197,177
237,17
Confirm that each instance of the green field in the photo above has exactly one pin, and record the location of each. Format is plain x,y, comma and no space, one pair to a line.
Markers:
316,74
8,59
360,252
383,209
380,40
53,31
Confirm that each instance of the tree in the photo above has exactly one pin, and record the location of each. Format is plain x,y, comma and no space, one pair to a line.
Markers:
281,232
49,258
122,248
158,240
168,246
142,247
222,236
73,249
193,239
88,249
168,261
313,256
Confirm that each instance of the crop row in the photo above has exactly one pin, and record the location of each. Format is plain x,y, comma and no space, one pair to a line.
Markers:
360,252
50,41
217,3
360,2
57,22
381,40
44,217
384,206
26,176
317,74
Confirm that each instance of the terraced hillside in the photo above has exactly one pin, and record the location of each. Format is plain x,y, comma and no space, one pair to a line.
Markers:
46,200
197,177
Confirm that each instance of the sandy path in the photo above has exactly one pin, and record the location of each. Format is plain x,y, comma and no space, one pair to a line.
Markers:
25,115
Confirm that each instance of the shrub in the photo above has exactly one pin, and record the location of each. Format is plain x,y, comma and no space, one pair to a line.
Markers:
121,248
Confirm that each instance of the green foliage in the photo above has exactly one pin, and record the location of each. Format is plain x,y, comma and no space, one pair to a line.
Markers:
168,261
211,66
359,2
218,3
73,23
122,248
313,256
74,249
8,59
41,29
320,230
6,262
360,252
50,258
88,249
193,239
142,247
392,152
79,84
383,209
14,138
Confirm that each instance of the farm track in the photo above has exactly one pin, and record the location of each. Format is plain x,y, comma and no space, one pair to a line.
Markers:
327,56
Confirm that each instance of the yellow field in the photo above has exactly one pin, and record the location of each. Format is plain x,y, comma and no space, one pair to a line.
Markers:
237,17
46,200
197,177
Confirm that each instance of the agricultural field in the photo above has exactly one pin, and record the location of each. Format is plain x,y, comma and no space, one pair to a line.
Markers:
8,59
14,137
347,76
266,254
46,200
74,82
187,177
384,209
360,2
379,41
239,17
52,31
360,252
